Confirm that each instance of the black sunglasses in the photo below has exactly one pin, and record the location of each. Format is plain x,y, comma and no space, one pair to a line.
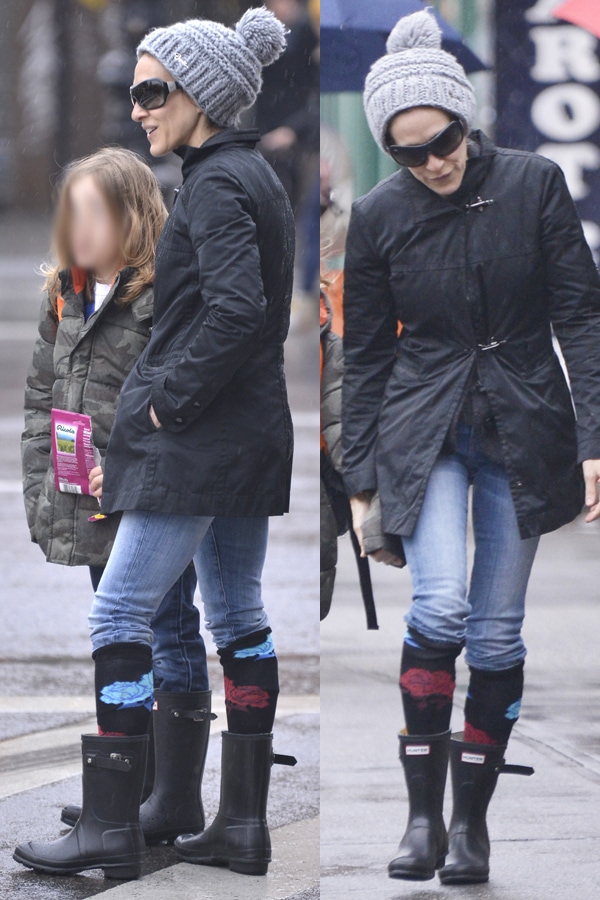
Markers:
443,144
152,93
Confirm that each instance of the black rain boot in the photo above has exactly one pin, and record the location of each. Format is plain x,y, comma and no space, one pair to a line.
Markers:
475,769
107,835
239,836
181,733
425,842
181,729
70,813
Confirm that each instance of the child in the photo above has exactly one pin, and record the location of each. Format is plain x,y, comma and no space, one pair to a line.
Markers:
95,321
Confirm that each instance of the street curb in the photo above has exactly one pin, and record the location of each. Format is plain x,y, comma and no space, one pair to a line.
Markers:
295,868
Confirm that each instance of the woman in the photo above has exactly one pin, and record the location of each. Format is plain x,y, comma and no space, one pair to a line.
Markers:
203,430
479,252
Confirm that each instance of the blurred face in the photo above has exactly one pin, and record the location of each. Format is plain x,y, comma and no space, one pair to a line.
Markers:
94,237
419,125
176,124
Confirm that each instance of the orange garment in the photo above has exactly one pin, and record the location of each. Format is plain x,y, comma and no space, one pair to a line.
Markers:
79,278
335,295
323,317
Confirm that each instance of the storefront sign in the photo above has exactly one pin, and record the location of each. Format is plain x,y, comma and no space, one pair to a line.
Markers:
548,97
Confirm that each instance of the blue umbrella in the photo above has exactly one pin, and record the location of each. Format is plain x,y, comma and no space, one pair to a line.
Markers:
353,36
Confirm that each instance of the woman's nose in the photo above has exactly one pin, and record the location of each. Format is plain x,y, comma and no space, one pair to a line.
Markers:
138,113
434,163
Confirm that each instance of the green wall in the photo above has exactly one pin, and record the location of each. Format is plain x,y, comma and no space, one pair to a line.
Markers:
345,113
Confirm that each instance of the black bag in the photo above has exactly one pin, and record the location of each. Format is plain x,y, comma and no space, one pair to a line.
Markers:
340,506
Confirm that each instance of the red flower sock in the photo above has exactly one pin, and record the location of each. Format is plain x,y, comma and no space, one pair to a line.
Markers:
251,679
427,682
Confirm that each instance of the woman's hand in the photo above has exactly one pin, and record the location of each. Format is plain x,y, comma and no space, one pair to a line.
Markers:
96,478
359,504
154,418
591,473
387,558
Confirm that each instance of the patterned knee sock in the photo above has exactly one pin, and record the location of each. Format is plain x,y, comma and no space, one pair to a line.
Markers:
493,704
427,681
124,688
251,684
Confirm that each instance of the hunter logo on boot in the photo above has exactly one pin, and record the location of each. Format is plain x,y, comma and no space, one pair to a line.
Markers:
417,750
477,758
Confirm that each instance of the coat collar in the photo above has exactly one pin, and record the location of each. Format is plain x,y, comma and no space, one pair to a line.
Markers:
191,156
427,204
76,279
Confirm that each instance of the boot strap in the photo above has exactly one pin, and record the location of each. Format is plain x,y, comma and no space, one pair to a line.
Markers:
114,761
280,759
509,769
197,715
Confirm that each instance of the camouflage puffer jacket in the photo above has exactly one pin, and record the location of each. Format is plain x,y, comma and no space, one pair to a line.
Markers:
78,366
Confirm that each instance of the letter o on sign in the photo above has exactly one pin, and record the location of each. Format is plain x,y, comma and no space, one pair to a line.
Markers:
566,112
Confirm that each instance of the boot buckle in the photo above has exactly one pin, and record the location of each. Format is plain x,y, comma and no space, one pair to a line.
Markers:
511,769
113,761
196,715
281,759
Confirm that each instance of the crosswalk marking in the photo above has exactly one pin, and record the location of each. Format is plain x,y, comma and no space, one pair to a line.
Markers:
20,768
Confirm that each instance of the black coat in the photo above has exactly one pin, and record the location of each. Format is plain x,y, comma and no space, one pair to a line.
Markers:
501,274
213,370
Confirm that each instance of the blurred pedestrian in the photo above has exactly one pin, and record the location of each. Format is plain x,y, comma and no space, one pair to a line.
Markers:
286,110
286,113
336,191
479,252
335,202
203,430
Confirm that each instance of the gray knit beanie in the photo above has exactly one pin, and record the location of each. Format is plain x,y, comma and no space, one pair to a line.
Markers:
220,68
415,72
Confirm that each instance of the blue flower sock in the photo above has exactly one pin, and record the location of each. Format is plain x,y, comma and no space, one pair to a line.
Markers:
124,688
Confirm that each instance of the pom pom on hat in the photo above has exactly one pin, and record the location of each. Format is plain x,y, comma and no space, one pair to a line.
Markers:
416,72
263,34
418,30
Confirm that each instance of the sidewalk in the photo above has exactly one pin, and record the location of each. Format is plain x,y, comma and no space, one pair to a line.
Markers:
546,829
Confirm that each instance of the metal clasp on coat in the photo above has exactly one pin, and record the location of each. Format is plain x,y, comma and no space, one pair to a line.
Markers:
478,204
493,345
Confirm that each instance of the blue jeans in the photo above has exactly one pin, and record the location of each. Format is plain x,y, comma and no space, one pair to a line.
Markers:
485,614
178,651
150,553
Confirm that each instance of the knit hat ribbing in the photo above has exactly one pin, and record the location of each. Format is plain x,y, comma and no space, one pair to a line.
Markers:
415,71
219,67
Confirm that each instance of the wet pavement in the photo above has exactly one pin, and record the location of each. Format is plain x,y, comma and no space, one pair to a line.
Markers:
46,676
545,829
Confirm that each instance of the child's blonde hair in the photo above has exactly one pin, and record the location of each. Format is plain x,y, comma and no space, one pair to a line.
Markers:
133,197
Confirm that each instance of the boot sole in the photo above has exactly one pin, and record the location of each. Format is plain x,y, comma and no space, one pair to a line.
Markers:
125,871
242,867
464,877
408,874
